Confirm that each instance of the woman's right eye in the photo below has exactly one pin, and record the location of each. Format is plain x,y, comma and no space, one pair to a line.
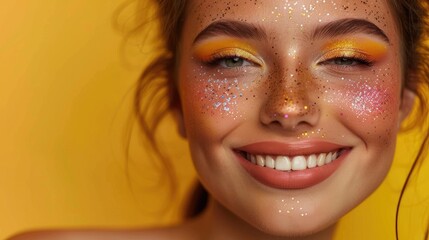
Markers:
232,62
231,58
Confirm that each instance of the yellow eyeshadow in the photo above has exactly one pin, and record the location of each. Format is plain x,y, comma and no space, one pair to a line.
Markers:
347,53
231,52
225,47
350,47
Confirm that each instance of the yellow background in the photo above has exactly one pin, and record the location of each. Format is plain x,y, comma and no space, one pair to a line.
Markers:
65,102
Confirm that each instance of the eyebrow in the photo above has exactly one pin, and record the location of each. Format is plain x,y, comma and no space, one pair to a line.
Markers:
335,28
348,26
232,28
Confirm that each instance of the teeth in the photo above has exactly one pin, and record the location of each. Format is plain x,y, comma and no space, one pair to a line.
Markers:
260,160
283,163
321,159
295,163
312,161
299,163
269,162
252,158
328,158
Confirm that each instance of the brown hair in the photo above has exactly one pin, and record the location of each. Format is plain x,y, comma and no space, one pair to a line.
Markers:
413,22
155,93
157,84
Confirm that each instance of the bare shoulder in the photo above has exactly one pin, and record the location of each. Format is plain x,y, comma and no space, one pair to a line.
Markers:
177,232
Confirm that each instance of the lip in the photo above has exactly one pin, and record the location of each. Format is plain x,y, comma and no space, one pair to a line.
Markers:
290,149
291,179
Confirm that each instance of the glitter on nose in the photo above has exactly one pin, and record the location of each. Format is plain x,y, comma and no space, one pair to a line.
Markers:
286,116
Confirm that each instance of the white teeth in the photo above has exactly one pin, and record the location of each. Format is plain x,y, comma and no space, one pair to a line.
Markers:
312,161
260,160
295,163
283,163
299,163
269,162
321,159
328,158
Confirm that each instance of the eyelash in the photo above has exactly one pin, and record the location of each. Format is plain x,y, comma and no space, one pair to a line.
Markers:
215,60
357,59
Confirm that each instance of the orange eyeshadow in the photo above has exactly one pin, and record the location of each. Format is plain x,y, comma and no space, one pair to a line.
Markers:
207,49
371,48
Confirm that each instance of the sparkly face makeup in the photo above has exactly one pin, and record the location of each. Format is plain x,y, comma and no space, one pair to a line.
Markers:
290,107
227,68
361,50
365,96
228,48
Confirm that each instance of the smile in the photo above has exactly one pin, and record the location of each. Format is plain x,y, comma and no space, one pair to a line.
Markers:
293,163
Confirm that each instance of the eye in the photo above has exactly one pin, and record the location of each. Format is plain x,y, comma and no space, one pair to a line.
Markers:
233,62
347,61
231,59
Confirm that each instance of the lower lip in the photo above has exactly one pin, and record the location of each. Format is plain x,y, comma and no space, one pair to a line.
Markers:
291,179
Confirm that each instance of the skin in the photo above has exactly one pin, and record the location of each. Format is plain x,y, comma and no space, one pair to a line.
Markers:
298,79
286,86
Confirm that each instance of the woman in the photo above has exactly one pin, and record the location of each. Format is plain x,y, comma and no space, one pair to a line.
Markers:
291,109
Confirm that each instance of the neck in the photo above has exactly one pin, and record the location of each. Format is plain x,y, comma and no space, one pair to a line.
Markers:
218,223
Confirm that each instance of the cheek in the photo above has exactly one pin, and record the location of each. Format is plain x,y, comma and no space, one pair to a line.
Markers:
213,101
215,97
369,105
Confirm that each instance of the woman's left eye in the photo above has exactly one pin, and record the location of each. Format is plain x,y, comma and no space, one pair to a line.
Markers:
347,61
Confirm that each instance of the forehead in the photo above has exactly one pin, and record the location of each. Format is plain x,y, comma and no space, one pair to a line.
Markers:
288,15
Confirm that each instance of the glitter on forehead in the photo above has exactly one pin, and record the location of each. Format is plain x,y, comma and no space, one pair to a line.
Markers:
289,8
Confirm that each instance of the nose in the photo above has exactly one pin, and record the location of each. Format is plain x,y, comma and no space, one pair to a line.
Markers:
291,104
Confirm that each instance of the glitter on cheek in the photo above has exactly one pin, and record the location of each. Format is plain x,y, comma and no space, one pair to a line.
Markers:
366,99
219,96
369,102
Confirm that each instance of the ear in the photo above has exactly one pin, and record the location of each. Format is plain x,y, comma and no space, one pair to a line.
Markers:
407,103
178,116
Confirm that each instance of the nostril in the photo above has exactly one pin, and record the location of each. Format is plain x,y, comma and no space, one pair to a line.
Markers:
276,123
290,118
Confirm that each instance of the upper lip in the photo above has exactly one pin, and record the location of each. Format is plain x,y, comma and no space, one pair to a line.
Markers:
290,148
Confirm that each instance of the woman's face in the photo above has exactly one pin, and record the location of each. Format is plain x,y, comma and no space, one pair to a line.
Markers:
291,108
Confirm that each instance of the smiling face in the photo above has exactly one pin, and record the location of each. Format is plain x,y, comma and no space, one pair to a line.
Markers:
291,108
